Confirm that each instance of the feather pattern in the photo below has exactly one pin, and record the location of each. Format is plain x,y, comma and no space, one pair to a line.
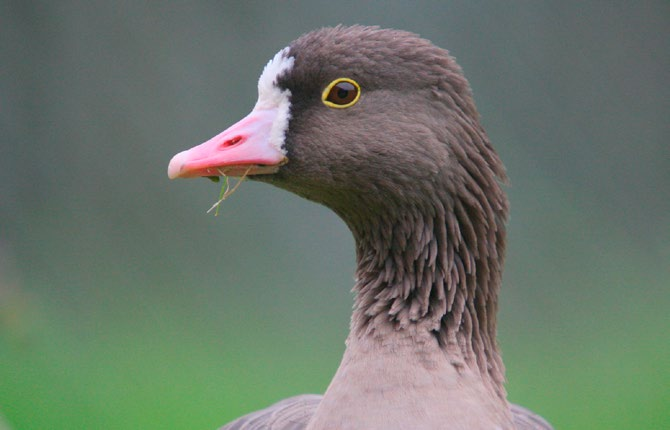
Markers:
295,412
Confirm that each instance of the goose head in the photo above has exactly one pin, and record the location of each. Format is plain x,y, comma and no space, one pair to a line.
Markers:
380,126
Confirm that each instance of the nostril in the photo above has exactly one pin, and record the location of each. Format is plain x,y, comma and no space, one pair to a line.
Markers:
231,142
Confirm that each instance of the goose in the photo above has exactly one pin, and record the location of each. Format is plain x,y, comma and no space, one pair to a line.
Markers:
380,126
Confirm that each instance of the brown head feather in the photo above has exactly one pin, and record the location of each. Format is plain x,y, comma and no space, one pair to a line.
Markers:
411,171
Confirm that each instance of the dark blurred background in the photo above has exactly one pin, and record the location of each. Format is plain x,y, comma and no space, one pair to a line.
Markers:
123,305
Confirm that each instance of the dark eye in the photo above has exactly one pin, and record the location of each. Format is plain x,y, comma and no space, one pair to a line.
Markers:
341,93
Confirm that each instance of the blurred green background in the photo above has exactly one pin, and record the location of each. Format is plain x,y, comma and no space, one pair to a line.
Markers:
124,306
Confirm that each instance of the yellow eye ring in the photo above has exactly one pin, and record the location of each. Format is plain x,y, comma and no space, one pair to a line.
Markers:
341,93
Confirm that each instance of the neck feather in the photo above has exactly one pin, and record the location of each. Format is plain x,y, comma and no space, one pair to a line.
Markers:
438,269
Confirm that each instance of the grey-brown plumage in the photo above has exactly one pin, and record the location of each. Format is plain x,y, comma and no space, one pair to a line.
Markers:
295,412
411,171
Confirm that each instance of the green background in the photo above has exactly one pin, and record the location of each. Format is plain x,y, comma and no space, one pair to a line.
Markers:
124,306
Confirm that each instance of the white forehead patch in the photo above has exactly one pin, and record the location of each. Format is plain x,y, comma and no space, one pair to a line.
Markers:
268,92
270,96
